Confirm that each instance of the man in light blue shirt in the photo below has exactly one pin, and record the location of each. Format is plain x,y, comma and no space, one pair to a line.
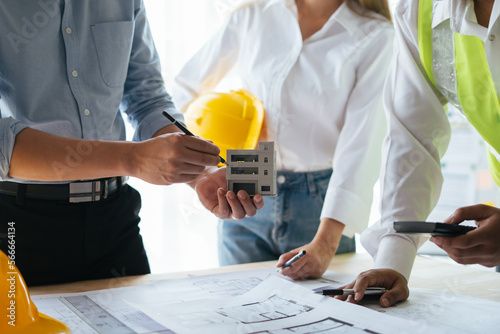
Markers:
67,68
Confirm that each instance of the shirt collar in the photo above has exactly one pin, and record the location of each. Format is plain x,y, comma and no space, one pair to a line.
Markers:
343,15
346,18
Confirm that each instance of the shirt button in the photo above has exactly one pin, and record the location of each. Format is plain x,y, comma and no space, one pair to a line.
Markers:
69,31
491,37
86,112
281,179
74,73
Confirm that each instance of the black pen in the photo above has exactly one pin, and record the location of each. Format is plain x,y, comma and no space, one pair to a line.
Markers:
293,259
344,292
183,129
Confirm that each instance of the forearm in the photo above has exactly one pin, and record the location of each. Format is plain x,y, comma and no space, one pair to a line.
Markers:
41,156
329,233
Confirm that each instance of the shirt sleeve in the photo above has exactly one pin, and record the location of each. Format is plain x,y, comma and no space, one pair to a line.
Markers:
9,128
418,136
356,163
145,96
203,72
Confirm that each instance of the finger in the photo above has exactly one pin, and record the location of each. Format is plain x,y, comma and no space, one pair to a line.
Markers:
199,158
285,257
190,169
472,255
200,145
399,292
297,269
223,209
247,203
236,208
360,286
347,286
258,201
468,240
351,299
473,212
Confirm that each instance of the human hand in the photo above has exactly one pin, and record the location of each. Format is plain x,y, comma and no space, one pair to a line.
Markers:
319,252
211,188
393,281
172,158
312,265
481,245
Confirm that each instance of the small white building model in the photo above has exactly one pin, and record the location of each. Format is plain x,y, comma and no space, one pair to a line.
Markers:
252,170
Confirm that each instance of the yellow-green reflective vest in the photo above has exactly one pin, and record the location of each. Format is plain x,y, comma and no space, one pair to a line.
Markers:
476,96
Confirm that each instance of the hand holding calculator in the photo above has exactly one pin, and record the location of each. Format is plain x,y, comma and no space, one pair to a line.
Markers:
443,229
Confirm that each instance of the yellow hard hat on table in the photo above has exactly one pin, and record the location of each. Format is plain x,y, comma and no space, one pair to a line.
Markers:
231,120
18,314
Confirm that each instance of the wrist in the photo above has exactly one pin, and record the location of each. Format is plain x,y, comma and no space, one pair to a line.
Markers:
126,158
329,234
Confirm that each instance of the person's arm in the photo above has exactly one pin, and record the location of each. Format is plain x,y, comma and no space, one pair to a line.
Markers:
411,179
356,162
480,246
165,159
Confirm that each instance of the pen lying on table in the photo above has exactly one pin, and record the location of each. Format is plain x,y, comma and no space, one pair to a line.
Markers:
344,292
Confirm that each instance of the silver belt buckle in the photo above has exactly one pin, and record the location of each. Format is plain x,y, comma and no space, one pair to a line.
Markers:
86,191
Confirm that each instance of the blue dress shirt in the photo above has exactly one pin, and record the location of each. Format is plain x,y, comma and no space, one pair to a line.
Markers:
67,67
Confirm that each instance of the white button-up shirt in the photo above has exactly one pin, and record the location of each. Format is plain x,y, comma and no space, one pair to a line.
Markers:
419,130
322,96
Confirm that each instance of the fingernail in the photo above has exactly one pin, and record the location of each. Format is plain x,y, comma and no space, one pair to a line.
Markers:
437,241
258,199
385,302
242,195
357,296
231,195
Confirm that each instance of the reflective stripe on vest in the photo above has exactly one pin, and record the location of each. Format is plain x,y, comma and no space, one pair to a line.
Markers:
475,89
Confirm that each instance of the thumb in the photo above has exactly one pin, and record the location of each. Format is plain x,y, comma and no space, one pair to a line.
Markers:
396,294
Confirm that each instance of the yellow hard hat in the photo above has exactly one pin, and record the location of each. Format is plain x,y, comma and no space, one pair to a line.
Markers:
231,120
18,313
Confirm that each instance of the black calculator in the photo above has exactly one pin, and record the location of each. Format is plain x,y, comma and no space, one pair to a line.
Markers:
410,227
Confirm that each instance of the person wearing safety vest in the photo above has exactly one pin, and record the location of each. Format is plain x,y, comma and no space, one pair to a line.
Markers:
445,51
318,67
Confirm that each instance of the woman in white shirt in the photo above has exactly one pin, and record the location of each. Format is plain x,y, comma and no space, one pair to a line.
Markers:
318,67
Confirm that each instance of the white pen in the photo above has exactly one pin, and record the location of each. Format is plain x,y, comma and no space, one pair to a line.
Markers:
293,259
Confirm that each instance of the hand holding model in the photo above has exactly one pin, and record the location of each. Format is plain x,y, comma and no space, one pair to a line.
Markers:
226,204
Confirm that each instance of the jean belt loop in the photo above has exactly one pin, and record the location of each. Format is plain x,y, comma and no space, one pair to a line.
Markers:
311,184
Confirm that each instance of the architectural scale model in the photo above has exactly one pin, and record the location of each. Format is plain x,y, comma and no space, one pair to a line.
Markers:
252,170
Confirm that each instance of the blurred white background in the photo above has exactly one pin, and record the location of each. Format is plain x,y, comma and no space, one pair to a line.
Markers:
179,234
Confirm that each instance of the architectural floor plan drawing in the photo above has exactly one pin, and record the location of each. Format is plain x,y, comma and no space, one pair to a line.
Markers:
272,308
328,325
261,301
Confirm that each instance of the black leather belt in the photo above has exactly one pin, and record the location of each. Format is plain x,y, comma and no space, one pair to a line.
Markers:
74,192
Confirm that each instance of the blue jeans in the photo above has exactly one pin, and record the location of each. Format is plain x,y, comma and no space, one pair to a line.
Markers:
287,221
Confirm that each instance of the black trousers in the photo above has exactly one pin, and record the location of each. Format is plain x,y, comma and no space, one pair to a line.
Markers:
63,242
